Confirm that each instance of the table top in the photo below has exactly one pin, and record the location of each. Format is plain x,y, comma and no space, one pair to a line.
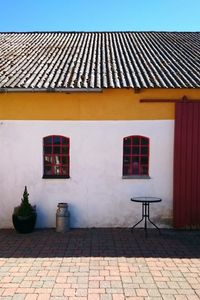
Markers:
146,199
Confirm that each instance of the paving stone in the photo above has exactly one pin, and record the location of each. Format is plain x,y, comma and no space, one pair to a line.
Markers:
105,297
94,284
153,292
173,285
168,297
78,298
141,292
93,297
192,297
61,279
116,284
186,291
96,291
81,292
138,298
48,284
62,286
24,290
79,285
83,279
26,284
114,291
72,279
19,297
31,297
46,291
168,291
57,298
184,285
37,284
118,297
57,292
43,297
9,292
129,279
181,297
131,286
69,292
129,292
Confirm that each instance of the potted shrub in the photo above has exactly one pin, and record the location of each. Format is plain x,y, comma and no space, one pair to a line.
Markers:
24,216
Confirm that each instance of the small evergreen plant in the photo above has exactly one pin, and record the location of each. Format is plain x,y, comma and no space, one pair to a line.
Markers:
25,208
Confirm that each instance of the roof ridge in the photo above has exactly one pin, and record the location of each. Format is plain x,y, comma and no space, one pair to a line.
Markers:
117,31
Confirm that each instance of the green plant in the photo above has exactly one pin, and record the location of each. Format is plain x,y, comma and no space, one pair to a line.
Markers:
25,209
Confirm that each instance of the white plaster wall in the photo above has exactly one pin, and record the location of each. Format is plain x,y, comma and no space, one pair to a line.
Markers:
96,193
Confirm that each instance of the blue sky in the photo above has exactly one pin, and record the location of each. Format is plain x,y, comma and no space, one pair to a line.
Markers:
100,15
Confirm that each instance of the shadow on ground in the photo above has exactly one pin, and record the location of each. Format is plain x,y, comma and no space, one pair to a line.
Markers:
103,242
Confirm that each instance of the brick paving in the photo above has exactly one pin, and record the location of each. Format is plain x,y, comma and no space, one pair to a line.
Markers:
100,264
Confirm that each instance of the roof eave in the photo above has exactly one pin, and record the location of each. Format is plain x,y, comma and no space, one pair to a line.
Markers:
51,90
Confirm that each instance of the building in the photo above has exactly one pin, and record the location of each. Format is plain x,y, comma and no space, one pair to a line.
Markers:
93,118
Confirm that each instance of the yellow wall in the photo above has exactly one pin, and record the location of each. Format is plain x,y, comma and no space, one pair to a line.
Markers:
111,104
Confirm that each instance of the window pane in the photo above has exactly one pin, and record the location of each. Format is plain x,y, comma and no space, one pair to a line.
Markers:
127,150
65,150
47,170
47,150
144,170
56,150
48,159
135,150
64,170
135,168
56,140
48,140
127,159
127,141
125,170
136,141
144,150
135,159
65,160
144,160
144,141
65,141
56,170
57,159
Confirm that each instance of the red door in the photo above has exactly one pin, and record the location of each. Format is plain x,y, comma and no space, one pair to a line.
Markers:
187,165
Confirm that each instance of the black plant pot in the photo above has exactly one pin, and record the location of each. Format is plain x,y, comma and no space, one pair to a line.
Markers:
24,224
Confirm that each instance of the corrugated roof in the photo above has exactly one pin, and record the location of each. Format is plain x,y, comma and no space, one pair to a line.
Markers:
100,60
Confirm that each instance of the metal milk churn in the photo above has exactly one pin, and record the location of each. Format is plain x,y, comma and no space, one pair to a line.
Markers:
62,217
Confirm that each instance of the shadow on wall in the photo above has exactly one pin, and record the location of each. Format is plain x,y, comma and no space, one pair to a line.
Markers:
49,221
41,217
73,216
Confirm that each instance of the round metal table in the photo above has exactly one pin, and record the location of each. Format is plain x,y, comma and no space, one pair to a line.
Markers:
145,211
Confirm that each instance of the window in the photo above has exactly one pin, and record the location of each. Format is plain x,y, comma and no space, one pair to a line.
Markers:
136,157
56,156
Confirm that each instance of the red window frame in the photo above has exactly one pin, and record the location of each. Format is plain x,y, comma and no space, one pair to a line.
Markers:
56,156
136,156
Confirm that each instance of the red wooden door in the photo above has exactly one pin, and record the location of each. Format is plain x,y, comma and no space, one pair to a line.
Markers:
187,165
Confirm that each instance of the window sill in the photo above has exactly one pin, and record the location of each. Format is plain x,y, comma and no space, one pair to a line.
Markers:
136,177
55,177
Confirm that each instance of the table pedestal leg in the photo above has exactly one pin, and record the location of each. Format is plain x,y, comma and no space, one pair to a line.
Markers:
145,217
138,221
